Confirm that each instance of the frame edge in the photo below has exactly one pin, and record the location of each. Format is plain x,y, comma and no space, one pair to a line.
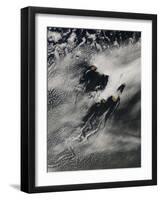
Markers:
24,100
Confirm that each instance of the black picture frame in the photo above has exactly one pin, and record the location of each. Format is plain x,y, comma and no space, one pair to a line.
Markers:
28,98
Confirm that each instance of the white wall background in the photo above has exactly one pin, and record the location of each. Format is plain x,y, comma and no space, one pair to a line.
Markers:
10,98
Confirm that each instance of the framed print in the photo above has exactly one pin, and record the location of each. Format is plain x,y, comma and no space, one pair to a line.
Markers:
88,99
